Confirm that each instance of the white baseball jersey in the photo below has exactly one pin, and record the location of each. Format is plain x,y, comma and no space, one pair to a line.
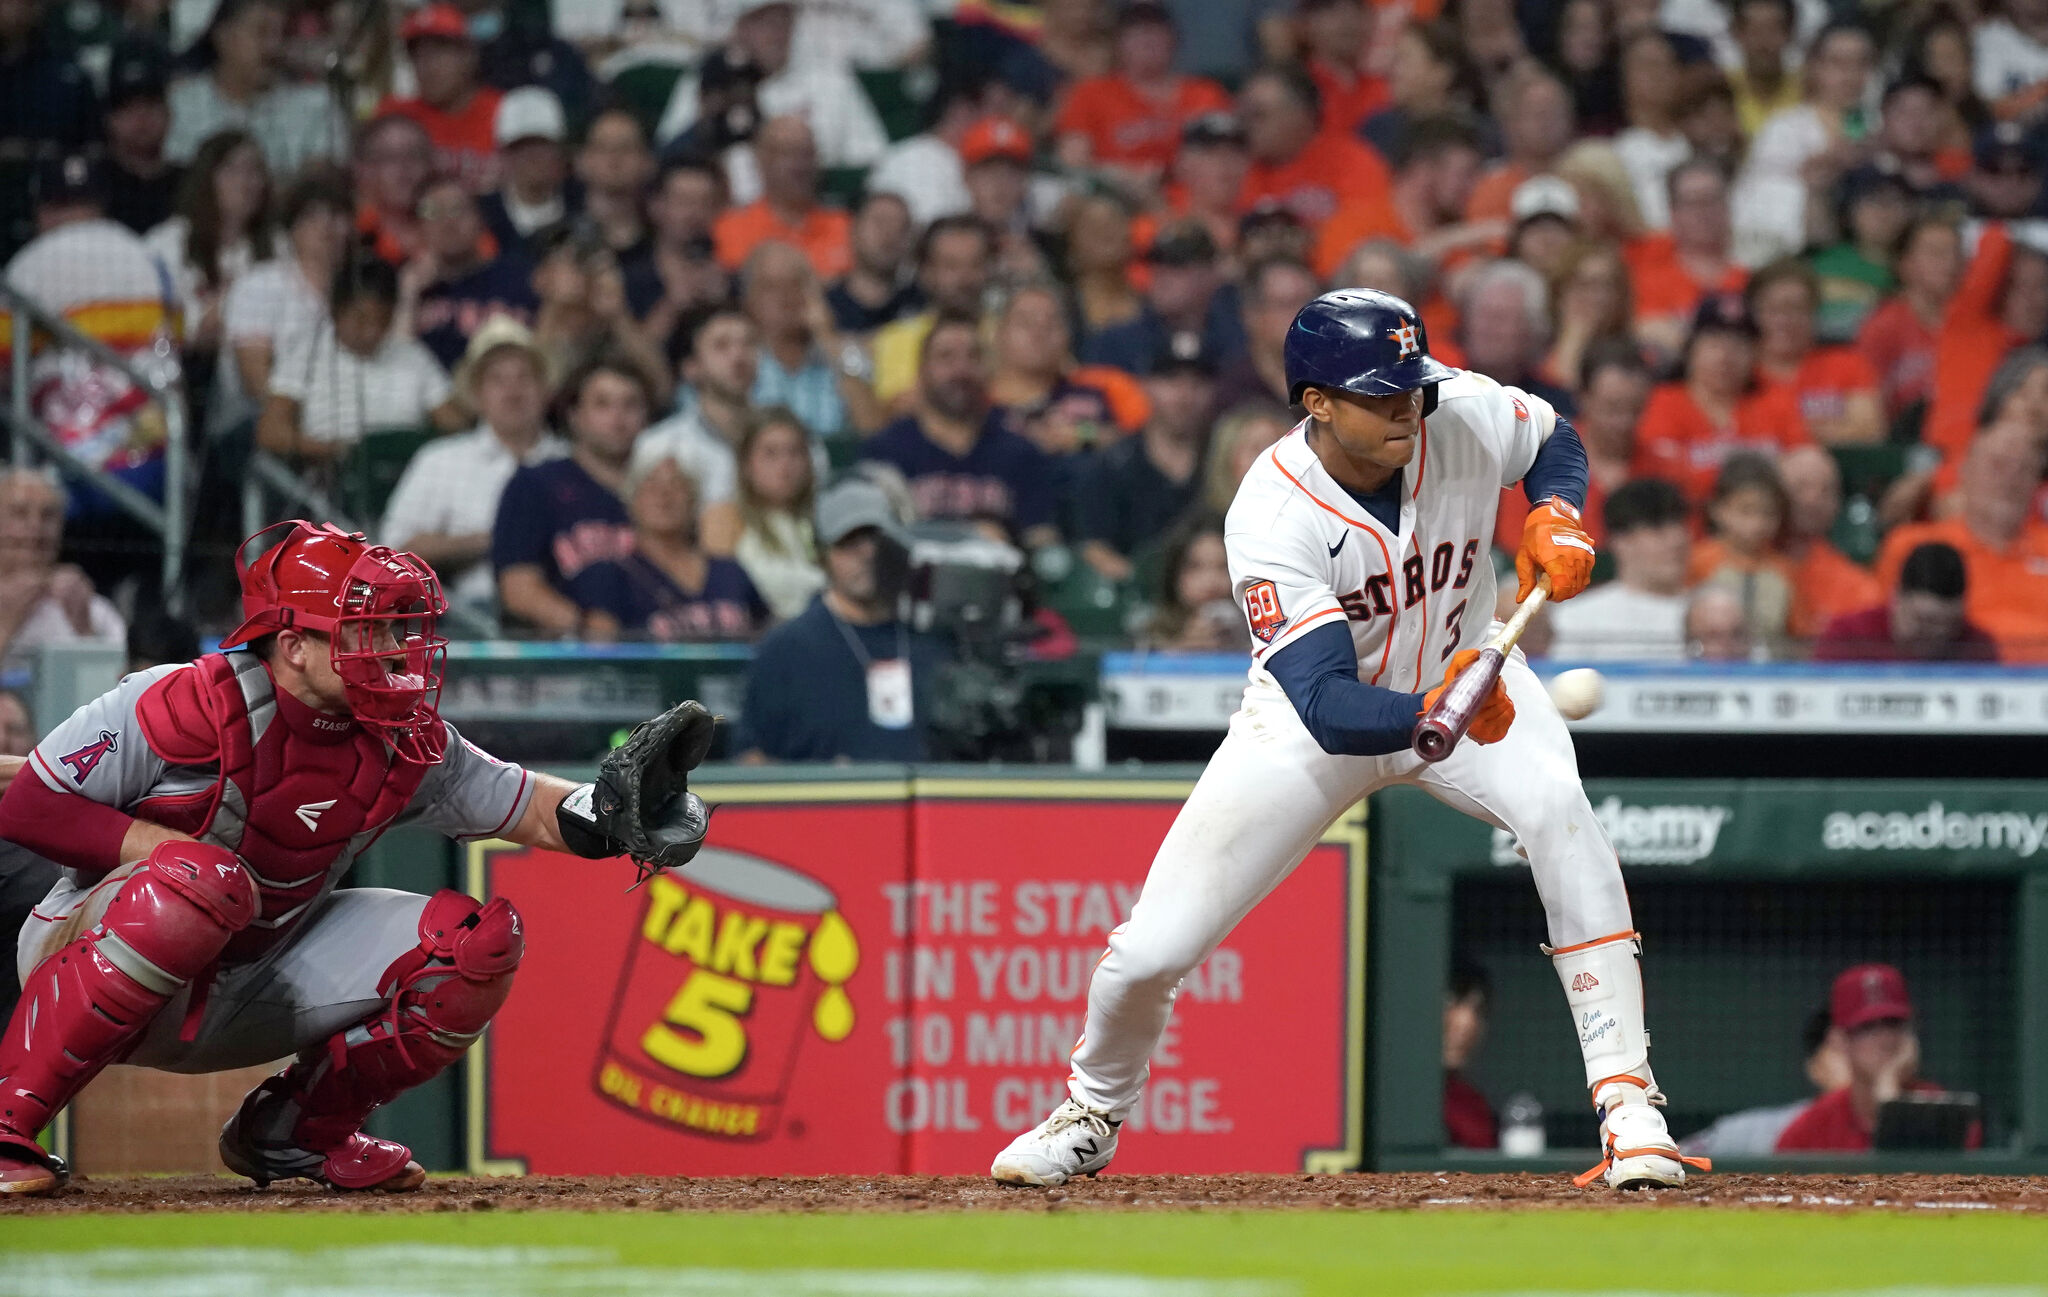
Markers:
1303,552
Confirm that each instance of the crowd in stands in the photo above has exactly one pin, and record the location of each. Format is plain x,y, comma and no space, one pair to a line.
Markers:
589,305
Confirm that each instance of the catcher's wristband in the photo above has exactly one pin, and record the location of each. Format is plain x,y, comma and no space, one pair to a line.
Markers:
576,817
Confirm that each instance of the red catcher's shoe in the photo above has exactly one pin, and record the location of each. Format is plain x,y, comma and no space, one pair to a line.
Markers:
27,1170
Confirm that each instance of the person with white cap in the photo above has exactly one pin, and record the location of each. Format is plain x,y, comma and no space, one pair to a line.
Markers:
1545,211
534,186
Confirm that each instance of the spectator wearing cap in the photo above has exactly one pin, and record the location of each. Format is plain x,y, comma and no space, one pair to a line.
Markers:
879,286
1834,387
353,374
1854,273
583,313
997,154
447,499
1825,581
955,257
1544,234
2001,303
1058,406
1436,162
1335,37
666,587
1899,338
1640,614
221,229
1651,145
788,210
1312,170
953,450
1207,177
1754,1132
614,167
2005,551
1128,122
1800,154
1536,123
2009,58
1672,272
103,279
844,129
805,364
450,286
1923,621
2004,180
43,601
240,85
534,189
394,160
1716,407
1275,290
457,109
557,518
845,680
1765,78
1504,328
1872,1014
1186,295
1132,492
141,182
678,271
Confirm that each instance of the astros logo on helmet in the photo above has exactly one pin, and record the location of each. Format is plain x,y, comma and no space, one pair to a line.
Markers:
1404,337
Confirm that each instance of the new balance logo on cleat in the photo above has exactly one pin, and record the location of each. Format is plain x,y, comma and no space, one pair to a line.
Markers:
1585,982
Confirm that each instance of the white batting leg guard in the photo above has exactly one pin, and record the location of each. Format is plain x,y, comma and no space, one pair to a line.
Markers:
1603,984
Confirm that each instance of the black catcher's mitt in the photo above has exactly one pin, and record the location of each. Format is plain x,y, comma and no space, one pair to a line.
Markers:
640,804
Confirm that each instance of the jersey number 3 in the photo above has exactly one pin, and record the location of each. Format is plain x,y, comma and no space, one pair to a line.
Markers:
1262,609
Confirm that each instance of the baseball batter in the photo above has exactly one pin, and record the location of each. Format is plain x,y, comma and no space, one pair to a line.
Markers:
203,814
1358,545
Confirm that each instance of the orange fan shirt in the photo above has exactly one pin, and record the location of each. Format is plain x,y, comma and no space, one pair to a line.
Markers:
1333,173
1826,583
1662,284
1347,99
464,141
1824,382
1128,127
1678,442
823,234
2007,592
1971,343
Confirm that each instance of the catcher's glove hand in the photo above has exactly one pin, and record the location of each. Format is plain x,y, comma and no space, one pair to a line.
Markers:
640,804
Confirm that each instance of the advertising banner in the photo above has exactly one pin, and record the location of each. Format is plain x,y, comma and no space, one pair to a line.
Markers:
853,980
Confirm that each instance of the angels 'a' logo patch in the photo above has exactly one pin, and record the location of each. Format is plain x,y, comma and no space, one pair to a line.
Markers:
81,762
1405,338
1262,609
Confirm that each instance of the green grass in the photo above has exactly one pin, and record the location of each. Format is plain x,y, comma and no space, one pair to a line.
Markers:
1640,1252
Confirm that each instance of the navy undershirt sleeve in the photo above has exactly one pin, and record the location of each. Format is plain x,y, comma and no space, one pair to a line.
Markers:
1319,674
1560,468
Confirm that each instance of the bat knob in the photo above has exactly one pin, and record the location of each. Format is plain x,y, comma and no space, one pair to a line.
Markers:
1432,741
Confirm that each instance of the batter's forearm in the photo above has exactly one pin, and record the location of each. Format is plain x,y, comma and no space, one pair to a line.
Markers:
1345,716
1560,469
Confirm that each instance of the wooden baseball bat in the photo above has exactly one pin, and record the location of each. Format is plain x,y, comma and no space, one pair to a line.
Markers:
1439,731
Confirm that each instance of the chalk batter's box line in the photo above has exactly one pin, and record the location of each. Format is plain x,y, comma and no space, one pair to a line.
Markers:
1349,830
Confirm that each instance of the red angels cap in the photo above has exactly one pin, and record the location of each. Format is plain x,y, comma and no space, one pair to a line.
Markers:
442,21
995,137
1868,993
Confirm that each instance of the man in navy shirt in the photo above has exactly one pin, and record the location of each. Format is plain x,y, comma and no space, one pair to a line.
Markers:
845,680
557,519
1134,489
954,451
458,289
1187,295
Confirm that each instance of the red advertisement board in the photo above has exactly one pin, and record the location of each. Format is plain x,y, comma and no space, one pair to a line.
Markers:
853,979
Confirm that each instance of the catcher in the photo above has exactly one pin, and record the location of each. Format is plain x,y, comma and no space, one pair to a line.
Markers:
204,813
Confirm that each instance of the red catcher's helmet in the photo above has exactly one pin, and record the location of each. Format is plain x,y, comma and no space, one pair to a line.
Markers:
380,609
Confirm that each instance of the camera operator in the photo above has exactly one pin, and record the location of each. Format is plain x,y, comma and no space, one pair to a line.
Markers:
846,680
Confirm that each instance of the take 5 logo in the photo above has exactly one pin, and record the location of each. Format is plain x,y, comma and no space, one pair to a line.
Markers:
1262,610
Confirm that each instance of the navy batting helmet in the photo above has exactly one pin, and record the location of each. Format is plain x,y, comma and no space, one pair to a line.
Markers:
1360,340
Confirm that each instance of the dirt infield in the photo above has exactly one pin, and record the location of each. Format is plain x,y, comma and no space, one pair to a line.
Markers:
904,1193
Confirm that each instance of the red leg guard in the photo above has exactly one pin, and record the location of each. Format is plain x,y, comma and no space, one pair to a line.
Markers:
307,1120
84,1006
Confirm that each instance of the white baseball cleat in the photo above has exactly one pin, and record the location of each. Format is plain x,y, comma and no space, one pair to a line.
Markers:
1637,1151
1073,1141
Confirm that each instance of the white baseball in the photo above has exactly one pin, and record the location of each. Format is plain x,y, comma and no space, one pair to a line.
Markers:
1578,693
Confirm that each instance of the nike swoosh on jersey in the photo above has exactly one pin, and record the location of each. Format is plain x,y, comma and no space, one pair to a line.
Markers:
1339,545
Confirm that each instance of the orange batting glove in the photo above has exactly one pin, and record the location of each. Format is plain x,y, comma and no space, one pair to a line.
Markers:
1496,710
1554,540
